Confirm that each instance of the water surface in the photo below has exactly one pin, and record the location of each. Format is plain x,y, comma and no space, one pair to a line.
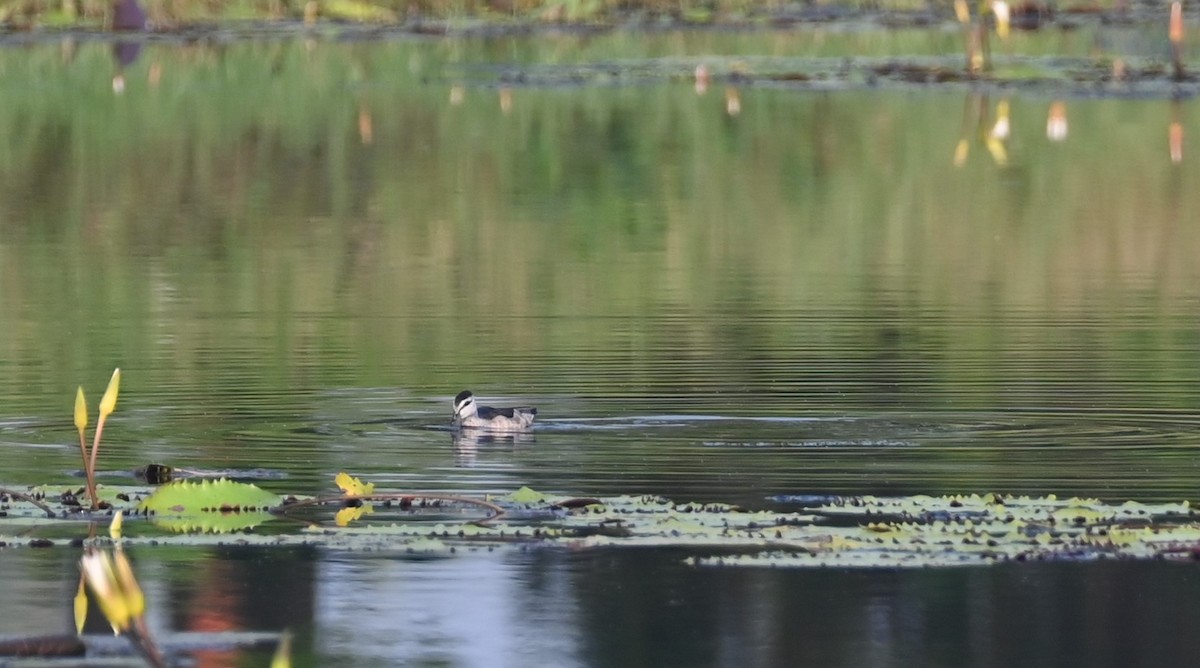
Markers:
299,251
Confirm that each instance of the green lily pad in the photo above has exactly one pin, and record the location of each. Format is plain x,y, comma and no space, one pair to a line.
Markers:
525,496
193,499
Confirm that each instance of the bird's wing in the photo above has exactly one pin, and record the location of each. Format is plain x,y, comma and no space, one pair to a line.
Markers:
487,412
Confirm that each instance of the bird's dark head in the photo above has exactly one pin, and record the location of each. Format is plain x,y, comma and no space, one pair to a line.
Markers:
464,404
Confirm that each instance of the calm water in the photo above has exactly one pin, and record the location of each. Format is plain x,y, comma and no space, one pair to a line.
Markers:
298,251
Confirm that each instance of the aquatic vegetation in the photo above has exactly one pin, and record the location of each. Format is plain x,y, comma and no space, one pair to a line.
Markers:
110,577
216,506
860,531
108,403
353,486
88,12
193,498
283,652
855,531
442,16
866,532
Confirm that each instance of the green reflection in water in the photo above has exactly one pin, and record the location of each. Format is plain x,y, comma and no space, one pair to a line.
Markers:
249,230
271,284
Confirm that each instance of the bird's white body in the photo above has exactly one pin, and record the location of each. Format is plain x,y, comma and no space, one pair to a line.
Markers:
470,415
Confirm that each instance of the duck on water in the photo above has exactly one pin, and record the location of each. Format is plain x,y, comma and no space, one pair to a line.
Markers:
471,415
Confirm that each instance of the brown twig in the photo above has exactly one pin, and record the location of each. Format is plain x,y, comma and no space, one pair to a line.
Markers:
25,497
497,511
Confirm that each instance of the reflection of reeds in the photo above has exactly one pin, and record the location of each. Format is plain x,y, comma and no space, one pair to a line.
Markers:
976,123
1176,33
115,588
971,38
1175,134
595,220
681,12
976,42
733,101
1056,121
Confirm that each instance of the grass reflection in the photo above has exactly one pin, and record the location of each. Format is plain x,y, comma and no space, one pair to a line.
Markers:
303,214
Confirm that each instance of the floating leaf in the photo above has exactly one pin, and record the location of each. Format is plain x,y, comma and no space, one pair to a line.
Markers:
210,523
346,515
525,495
208,496
353,486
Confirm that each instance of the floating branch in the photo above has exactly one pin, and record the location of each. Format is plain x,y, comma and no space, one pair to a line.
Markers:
27,498
496,510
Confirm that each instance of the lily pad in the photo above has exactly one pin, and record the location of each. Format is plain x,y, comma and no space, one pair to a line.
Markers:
187,498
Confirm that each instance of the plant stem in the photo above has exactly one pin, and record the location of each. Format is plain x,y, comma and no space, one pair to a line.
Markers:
90,464
89,469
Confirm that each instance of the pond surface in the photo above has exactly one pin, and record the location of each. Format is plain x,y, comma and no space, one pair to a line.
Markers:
298,250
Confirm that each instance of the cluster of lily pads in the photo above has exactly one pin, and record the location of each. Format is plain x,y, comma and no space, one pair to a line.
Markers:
858,531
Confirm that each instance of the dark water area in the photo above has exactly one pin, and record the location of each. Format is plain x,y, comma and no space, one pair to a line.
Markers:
644,608
298,251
